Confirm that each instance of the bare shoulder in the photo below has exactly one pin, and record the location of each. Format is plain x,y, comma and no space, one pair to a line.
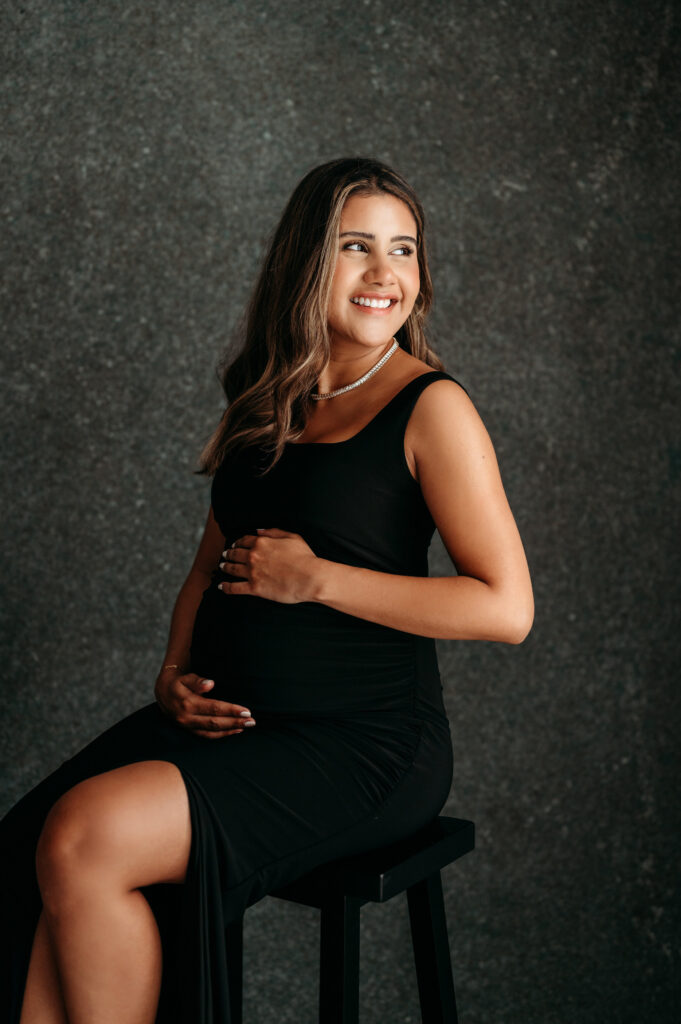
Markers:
443,419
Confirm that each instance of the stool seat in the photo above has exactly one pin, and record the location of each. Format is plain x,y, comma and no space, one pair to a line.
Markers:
380,874
341,887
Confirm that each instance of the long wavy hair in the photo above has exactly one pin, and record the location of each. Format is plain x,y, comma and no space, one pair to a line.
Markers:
284,335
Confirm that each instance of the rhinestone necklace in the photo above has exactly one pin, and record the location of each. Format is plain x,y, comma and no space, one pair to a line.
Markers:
356,383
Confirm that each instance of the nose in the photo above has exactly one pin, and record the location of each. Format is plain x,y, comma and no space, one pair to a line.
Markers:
379,270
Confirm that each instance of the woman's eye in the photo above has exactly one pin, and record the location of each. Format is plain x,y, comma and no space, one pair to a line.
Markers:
402,250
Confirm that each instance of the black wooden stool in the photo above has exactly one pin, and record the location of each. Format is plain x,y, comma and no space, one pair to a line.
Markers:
341,887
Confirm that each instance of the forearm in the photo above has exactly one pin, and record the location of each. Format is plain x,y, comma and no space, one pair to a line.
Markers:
448,607
182,619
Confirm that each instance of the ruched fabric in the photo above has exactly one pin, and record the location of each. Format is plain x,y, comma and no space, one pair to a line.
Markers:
351,749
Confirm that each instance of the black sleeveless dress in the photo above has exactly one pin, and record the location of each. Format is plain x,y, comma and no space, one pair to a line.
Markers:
351,749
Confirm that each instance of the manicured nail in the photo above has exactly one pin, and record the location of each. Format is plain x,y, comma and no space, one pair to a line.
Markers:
244,714
220,586
223,564
249,722
207,682
224,554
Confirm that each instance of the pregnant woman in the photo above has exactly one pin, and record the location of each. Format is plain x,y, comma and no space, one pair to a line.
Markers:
298,712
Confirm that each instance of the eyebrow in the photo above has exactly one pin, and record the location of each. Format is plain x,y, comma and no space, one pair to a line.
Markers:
365,234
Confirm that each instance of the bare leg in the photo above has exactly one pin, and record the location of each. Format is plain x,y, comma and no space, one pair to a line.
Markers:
102,840
43,1000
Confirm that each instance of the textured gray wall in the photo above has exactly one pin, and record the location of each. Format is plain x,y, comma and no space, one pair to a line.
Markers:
147,152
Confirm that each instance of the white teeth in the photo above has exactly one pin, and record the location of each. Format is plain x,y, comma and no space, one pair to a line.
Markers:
374,303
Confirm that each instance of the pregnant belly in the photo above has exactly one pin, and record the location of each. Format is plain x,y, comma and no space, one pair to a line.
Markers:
300,658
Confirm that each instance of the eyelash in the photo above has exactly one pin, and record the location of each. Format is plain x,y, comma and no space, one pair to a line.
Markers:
408,250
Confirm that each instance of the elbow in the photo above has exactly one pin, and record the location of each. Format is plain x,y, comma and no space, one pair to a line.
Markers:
515,615
520,625
519,635
506,616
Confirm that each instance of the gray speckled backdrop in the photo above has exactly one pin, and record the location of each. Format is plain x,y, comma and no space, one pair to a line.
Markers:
147,151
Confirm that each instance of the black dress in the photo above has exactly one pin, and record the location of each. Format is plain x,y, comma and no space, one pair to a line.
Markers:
351,749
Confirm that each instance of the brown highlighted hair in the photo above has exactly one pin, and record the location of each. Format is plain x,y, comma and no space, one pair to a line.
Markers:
284,336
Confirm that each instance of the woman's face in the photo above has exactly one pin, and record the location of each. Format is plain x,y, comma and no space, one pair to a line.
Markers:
376,262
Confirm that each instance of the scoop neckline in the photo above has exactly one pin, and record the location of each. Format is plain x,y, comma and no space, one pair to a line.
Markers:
334,444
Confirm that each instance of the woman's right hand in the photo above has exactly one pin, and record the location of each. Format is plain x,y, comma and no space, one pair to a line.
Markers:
183,697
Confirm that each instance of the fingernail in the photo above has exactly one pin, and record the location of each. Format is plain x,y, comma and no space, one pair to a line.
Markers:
244,714
249,722
222,564
207,682
224,554
220,586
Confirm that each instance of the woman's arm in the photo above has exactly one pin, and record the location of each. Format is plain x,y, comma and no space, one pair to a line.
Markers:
191,591
491,598
183,695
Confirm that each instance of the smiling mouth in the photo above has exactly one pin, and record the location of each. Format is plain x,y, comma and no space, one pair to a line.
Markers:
367,303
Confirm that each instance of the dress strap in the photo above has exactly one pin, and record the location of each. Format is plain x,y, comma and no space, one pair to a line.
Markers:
385,433
405,400
418,384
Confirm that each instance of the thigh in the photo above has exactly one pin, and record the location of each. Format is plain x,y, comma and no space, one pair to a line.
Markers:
132,822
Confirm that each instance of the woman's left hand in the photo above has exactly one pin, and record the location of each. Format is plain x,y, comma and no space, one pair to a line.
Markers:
276,564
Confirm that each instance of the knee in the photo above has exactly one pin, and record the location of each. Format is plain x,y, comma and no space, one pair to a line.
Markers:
69,849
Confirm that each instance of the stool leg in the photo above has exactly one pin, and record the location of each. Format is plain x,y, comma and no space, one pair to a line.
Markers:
431,951
234,941
339,962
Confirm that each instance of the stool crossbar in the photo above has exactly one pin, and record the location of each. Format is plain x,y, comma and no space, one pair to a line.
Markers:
339,889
